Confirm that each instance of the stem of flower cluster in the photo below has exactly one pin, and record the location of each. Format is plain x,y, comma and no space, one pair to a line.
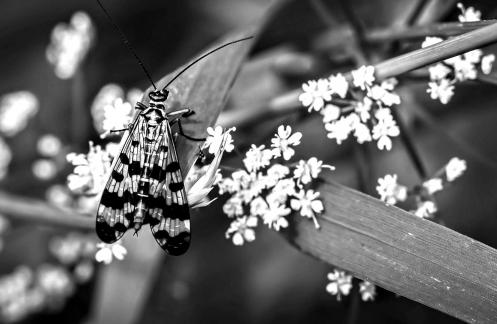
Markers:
408,142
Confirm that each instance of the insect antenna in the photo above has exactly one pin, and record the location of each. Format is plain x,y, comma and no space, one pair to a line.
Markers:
126,42
205,55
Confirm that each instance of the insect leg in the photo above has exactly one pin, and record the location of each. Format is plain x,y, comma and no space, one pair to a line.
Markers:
180,127
140,106
186,112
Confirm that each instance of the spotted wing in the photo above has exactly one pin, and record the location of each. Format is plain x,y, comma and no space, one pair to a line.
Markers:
169,214
119,199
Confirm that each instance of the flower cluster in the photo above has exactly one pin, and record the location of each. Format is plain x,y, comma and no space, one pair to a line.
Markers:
90,170
69,44
16,109
444,75
113,108
391,192
50,148
341,284
26,291
361,109
269,191
107,252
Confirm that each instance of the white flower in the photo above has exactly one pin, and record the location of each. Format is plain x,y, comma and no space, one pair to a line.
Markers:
226,185
339,85
216,137
117,115
339,129
70,44
384,129
341,283
106,252
105,97
363,76
425,209
16,109
469,14
55,281
315,94
473,56
361,131
283,141
257,157
308,204
465,70
438,71
255,187
430,41
305,171
390,191
275,173
241,230
367,290
5,158
59,196
15,284
433,185
486,63
44,169
454,169
112,149
258,206
274,217
330,113
66,249
442,90
389,84
280,192
389,99
363,107
242,179
83,271
233,206
91,170
49,145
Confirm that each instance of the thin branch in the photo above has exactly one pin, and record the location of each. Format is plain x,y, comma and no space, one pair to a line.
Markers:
288,102
416,12
458,142
407,139
40,212
358,32
335,37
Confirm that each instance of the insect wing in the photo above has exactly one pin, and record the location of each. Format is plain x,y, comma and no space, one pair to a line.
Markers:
169,213
118,200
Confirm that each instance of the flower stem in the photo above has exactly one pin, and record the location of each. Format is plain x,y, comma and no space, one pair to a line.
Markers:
408,142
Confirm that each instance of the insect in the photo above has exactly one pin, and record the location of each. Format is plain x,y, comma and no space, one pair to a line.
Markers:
146,185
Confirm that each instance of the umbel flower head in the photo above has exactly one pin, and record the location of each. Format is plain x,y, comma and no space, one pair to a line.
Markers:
445,75
268,190
360,109
391,192
69,44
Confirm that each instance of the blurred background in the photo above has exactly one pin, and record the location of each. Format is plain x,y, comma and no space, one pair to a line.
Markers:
267,281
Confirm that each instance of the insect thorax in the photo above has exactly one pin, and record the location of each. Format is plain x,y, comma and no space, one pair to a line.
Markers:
156,111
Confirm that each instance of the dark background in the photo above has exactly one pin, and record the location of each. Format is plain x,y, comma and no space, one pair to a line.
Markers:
267,281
